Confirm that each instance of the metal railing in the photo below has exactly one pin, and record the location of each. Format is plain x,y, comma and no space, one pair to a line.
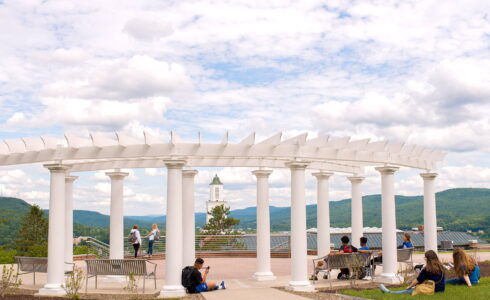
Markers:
100,247
280,243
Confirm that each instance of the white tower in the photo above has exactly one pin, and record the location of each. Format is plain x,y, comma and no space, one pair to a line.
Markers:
215,196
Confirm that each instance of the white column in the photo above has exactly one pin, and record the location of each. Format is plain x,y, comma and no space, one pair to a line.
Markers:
263,268
188,217
56,233
388,221
116,238
356,210
323,213
430,217
69,220
174,242
299,271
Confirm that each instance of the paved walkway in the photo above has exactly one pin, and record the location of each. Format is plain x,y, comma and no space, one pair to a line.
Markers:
256,294
237,273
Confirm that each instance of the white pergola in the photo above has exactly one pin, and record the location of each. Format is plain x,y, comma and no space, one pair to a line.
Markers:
323,155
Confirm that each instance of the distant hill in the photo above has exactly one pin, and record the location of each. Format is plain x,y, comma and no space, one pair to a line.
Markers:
457,209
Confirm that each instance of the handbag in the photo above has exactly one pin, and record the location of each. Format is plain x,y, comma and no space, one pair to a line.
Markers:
425,288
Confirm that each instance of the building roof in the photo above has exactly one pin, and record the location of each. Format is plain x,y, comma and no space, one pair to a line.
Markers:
216,180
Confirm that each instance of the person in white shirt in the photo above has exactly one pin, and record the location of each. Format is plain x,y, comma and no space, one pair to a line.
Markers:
152,236
137,241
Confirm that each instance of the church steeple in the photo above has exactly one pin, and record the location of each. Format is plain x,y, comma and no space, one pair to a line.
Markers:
216,180
215,195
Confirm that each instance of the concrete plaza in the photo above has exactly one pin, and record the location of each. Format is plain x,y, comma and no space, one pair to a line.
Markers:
237,272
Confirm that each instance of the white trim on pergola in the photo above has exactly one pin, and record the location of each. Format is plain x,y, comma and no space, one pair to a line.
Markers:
101,153
323,155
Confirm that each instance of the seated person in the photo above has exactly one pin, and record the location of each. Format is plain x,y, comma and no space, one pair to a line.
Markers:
407,243
467,271
364,248
194,282
345,248
433,270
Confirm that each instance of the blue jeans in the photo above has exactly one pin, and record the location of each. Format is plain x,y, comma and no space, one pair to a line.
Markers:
409,291
150,247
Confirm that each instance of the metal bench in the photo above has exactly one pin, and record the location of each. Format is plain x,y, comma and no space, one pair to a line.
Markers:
353,261
26,265
402,255
125,267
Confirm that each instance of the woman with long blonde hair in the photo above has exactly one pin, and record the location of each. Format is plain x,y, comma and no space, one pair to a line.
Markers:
467,270
152,236
433,270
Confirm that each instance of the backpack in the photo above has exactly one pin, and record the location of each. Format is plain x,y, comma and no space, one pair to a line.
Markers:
132,237
156,236
186,278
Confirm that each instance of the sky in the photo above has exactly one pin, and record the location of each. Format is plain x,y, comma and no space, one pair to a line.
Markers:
403,71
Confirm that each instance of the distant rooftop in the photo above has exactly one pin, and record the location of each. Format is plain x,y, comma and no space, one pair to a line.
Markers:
334,230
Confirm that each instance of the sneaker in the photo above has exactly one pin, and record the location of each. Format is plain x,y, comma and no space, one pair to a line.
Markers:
222,285
313,277
383,288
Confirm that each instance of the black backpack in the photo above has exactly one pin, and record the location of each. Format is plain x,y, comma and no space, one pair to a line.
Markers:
186,278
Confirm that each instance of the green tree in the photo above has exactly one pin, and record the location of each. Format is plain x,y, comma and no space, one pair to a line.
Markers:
32,238
220,223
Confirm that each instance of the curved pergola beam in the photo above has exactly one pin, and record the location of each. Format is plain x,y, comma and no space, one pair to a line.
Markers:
341,155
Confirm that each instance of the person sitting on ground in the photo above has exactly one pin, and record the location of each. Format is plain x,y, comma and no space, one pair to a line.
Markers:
407,243
344,248
433,270
194,282
467,270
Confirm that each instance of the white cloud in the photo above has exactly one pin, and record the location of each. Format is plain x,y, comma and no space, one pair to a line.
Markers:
147,30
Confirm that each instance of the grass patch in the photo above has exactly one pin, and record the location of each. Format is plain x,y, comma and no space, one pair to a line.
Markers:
456,292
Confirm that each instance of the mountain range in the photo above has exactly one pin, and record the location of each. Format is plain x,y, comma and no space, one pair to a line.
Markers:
457,209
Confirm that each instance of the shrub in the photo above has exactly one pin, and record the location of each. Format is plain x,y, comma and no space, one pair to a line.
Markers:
7,256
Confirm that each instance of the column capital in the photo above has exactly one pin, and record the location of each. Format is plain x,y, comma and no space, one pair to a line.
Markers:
297,164
70,179
386,170
57,168
428,176
262,173
117,175
356,179
174,164
322,174
189,173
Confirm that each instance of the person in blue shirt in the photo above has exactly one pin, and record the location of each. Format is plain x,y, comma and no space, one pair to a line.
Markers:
407,243
363,243
467,270
433,270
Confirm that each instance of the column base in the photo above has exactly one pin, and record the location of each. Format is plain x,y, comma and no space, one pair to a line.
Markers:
300,286
263,276
115,278
172,291
51,290
389,278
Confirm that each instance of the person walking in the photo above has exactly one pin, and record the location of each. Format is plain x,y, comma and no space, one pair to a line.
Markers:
135,239
153,236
